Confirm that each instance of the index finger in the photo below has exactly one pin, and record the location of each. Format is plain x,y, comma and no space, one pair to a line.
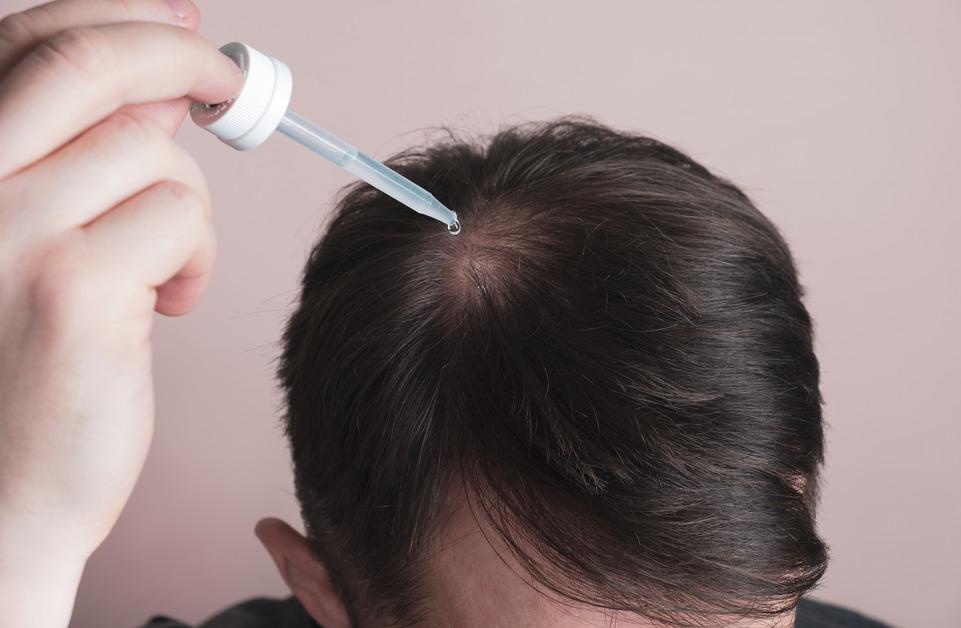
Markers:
20,32
82,75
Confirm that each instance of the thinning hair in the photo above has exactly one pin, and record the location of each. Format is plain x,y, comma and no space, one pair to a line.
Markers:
612,361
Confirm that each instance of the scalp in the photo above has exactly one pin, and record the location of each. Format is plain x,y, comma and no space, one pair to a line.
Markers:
612,357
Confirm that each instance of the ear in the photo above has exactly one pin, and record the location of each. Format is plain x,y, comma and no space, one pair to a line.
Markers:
302,572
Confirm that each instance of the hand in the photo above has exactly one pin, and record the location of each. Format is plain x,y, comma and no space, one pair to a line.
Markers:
103,219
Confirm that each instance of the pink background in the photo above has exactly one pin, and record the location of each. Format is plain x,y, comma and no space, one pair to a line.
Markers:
841,119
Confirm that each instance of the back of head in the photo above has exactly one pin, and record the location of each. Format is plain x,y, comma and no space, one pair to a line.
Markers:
611,365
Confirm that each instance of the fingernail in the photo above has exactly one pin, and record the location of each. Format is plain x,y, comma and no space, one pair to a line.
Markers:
182,8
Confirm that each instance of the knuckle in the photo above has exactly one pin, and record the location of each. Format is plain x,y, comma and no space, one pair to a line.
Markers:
193,173
179,193
186,218
141,133
131,139
185,203
76,50
14,29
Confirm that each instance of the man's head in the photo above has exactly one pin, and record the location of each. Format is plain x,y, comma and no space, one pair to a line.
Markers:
600,399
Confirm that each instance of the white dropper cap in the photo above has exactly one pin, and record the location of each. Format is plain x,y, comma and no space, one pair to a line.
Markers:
249,118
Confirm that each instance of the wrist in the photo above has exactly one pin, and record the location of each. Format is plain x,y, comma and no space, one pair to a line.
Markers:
26,540
38,580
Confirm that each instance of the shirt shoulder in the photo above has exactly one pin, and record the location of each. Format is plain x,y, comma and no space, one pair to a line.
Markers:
288,613
813,614
258,612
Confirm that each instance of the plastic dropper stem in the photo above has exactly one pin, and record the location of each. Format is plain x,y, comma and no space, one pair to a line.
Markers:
362,166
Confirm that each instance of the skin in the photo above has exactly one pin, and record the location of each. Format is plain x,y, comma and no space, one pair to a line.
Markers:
104,220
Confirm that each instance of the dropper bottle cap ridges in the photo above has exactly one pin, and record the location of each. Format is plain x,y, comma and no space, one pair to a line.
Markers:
248,119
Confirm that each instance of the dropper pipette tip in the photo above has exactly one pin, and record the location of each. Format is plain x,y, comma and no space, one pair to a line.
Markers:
454,227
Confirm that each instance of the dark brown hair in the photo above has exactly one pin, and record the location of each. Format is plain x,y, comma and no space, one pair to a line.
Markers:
612,361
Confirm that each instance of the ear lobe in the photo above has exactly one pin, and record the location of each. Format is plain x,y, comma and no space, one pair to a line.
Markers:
304,574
